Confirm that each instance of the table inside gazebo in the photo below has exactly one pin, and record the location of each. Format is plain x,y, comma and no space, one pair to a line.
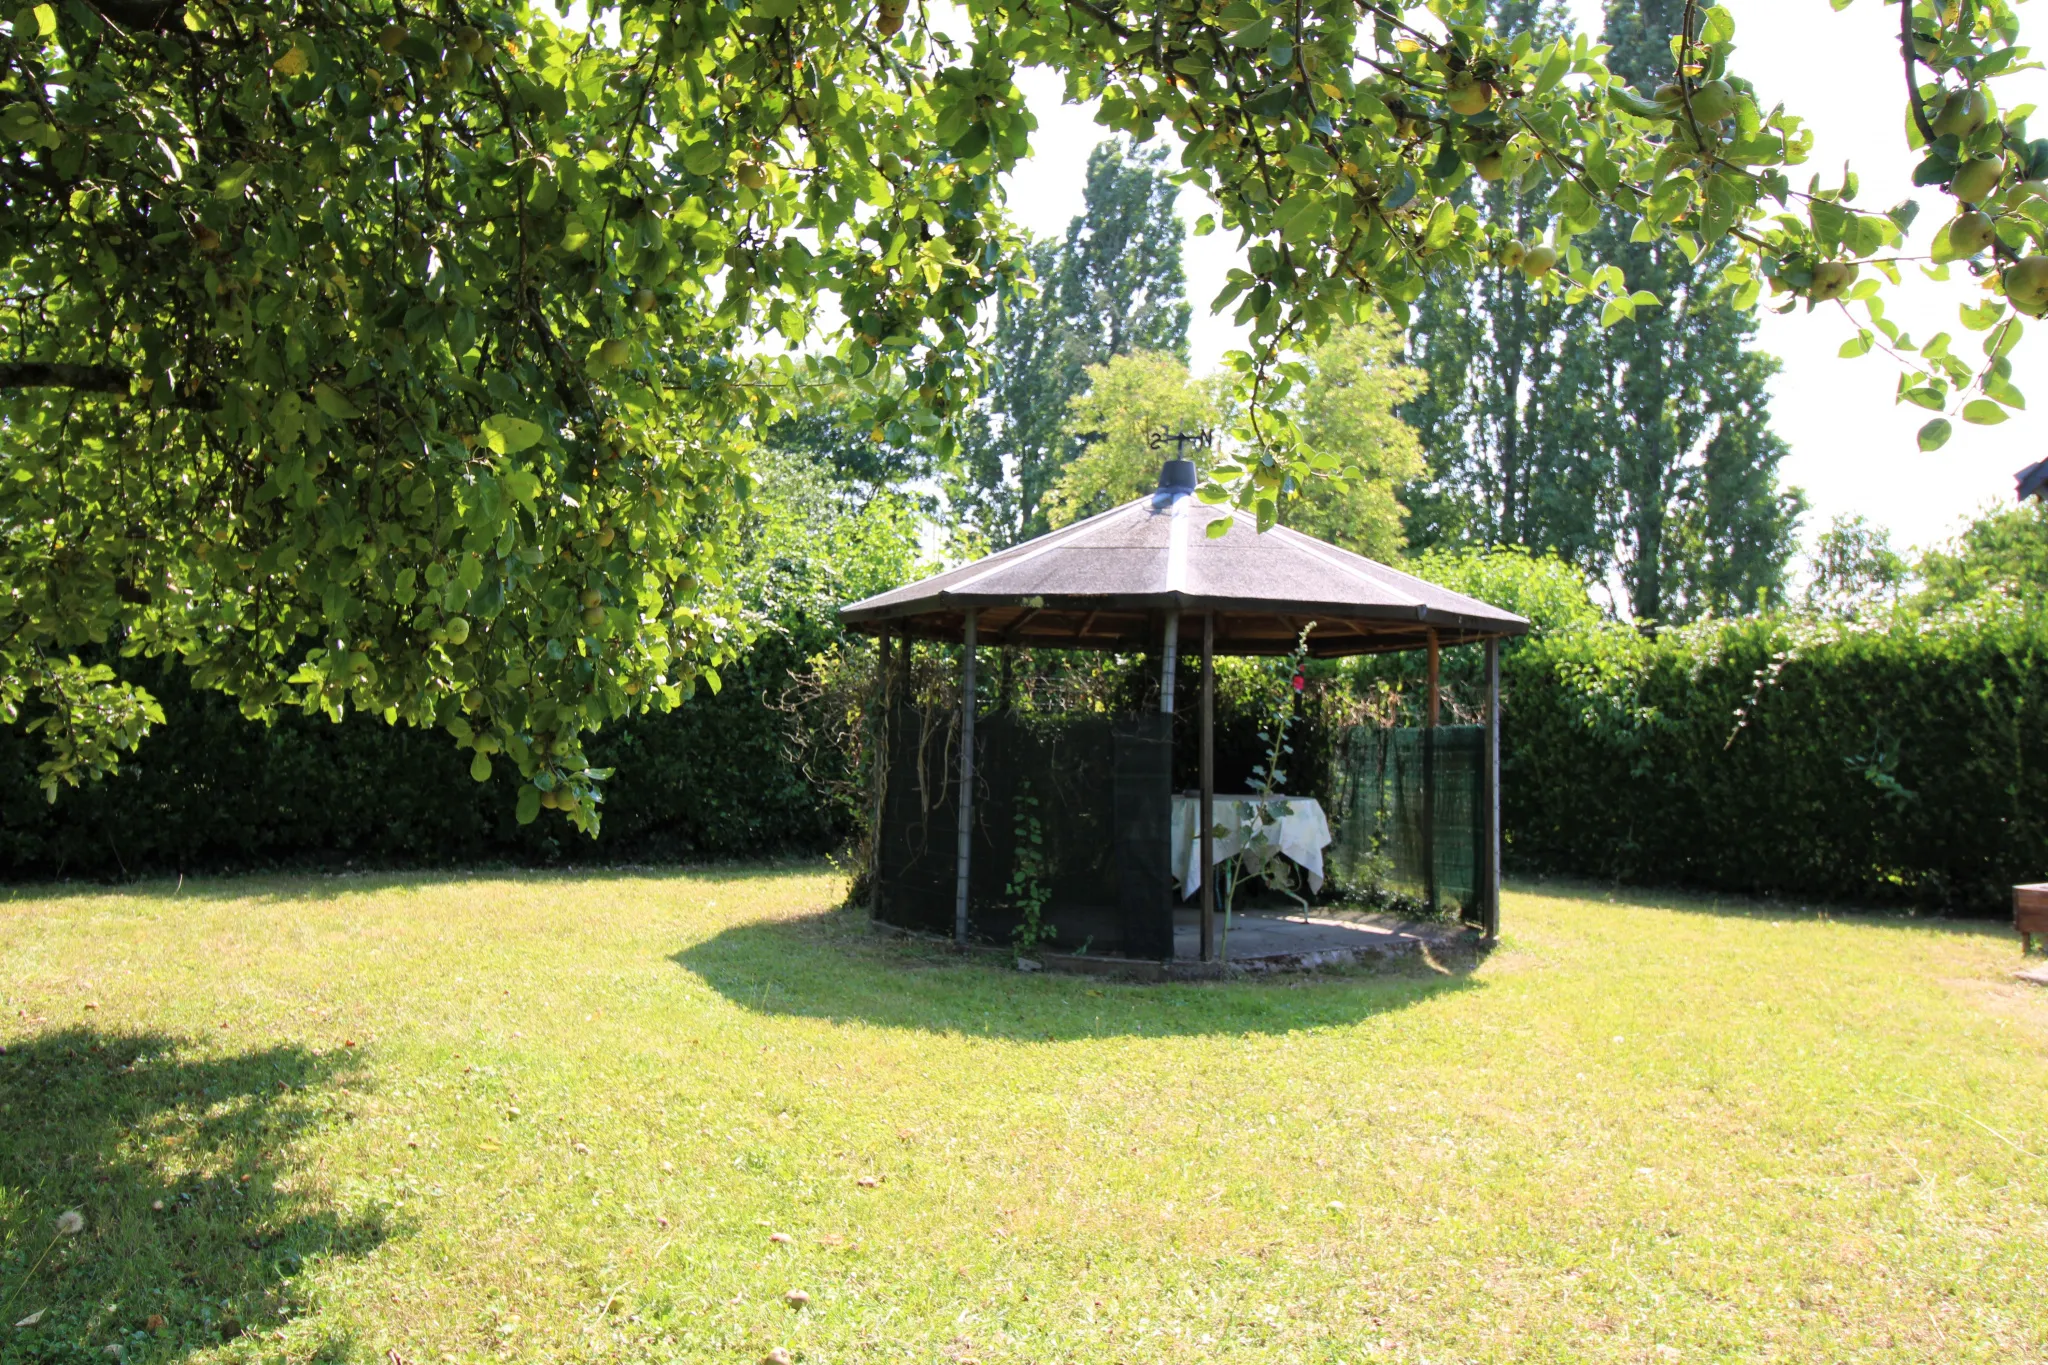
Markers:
1300,832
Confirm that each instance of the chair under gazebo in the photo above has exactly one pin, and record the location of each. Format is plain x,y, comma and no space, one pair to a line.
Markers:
1145,577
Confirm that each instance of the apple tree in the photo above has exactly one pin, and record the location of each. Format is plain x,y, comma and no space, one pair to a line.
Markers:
407,358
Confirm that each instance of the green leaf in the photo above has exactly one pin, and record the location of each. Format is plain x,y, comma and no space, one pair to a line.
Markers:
972,143
2002,390
1306,156
1933,170
1828,222
2003,338
1857,345
1256,34
1935,434
1629,102
1983,412
330,401
1981,316
508,435
1555,68
528,808
522,484
232,181
704,158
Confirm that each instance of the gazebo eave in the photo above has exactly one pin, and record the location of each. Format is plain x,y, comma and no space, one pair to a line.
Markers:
1120,621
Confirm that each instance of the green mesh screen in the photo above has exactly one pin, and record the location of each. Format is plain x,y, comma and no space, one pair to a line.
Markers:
1398,793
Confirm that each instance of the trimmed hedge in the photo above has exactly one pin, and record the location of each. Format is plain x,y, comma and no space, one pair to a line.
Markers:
211,791
1904,763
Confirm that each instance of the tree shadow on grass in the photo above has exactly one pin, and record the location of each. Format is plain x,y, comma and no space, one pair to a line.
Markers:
1774,909
113,1124
832,965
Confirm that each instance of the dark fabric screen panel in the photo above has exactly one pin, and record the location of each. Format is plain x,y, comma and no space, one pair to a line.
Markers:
1382,834
1093,791
1048,777
1144,809
914,882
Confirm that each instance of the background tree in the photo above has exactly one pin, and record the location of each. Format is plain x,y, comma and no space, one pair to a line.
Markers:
1114,286
1643,452
1122,286
861,460
1111,424
1346,404
2004,550
1350,410
1855,569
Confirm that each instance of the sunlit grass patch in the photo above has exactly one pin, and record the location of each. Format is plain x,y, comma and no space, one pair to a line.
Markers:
567,1117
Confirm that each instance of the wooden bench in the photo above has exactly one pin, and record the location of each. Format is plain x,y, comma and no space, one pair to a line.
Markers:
2030,912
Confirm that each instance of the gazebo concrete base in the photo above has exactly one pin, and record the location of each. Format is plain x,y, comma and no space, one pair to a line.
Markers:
1261,942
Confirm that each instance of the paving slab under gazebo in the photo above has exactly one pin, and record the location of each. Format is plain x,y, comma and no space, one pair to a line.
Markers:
1146,576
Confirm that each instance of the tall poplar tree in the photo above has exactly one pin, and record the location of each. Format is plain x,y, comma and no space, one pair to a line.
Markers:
1113,287
1642,452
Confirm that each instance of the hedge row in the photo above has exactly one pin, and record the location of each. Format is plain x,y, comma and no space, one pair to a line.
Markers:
1903,763
210,791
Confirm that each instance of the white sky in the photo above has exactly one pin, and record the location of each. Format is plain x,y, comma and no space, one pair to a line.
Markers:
1852,448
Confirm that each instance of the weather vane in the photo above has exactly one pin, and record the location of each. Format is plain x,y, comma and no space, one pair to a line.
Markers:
1182,440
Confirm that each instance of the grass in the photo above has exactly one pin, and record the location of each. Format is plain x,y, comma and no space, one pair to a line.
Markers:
558,1117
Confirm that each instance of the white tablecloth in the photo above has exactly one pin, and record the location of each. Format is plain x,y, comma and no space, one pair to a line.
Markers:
1302,833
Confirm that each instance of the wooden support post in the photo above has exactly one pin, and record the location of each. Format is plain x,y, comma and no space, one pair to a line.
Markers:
879,770
1166,667
1206,812
1435,684
1429,778
1490,797
963,854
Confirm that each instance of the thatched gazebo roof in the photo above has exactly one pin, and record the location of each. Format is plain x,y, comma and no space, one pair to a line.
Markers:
1107,582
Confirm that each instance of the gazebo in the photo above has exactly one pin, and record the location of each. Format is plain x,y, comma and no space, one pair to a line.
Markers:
1146,576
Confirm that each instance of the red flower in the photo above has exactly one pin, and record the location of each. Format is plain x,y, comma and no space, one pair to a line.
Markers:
1299,682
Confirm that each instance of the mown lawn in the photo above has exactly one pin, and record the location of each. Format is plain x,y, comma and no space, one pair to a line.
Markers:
558,1118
